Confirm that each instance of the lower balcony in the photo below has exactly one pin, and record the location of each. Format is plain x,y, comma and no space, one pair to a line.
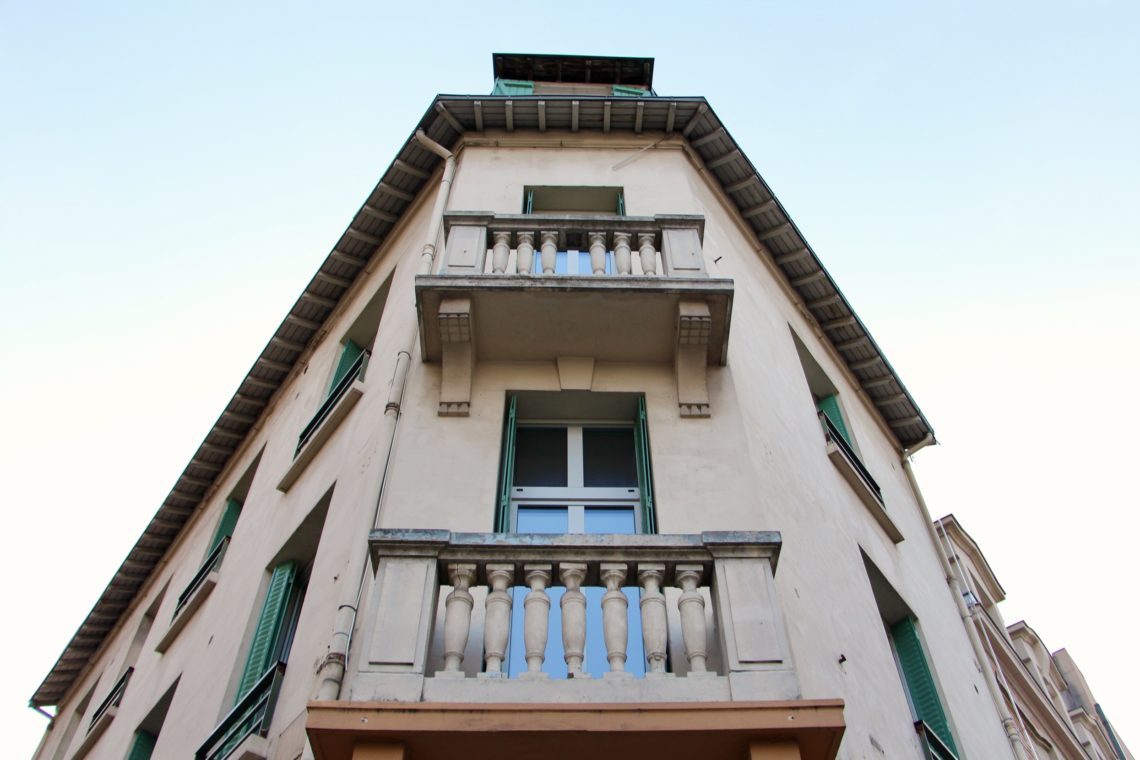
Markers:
519,644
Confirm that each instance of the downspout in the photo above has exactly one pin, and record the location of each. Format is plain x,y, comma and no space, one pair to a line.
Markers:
332,668
966,613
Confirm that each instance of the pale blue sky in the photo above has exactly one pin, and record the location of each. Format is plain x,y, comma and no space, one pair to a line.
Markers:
171,176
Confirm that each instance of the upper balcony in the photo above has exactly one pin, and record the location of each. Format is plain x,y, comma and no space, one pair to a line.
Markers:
546,287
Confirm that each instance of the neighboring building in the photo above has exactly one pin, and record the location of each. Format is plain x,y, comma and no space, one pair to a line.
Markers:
571,397
1044,696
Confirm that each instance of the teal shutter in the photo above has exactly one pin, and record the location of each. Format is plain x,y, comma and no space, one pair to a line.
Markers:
226,525
528,202
626,91
513,87
269,624
829,405
507,468
919,681
621,204
644,469
143,746
348,357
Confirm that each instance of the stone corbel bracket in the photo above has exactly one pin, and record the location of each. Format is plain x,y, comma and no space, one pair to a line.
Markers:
694,326
458,356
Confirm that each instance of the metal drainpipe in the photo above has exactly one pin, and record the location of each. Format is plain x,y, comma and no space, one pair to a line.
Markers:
332,668
1007,721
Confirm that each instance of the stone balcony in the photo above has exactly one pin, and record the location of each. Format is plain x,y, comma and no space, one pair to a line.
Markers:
698,620
529,287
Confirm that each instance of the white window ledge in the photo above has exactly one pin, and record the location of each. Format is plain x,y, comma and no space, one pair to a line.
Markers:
870,497
317,440
97,729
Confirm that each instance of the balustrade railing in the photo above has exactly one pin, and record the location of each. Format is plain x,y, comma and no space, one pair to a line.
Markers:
687,588
597,245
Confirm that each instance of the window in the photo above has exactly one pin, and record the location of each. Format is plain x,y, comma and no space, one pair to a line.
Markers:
587,475
570,200
146,736
270,640
914,671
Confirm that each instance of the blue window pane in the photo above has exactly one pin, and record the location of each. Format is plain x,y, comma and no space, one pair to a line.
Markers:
585,266
560,263
611,520
542,520
597,662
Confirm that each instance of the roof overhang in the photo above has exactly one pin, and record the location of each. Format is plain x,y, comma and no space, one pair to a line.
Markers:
445,121
663,731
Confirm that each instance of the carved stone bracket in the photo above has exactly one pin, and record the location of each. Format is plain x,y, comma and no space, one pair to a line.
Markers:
458,357
694,325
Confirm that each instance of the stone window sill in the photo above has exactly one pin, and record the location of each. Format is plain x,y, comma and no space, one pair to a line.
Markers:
317,440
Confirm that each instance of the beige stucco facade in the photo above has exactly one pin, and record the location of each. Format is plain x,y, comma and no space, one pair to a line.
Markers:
758,462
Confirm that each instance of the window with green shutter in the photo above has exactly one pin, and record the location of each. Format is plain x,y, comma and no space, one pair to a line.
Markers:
226,525
348,356
829,405
271,626
549,461
919,680
143,746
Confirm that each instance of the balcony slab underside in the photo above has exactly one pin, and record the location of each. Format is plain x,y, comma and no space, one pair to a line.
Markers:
809,729
543,317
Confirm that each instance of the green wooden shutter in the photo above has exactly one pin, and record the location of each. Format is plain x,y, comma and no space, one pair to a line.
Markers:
268,629
621,204
644,469
528,202
348,356
513,87
829,405
226,525
626,91
143,746
507,468
919,681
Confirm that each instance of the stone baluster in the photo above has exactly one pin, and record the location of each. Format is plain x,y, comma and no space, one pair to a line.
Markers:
497,627
597,252
648,253
615,623
457,618
573,617
501,252
654,629
549,251
622,255
536,617
525,261
692,608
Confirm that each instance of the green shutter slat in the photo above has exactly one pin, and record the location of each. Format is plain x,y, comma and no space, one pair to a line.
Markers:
226,525
919,681
268,629
513,87
626,91
829,405
644,469
348,356
507,468
143,746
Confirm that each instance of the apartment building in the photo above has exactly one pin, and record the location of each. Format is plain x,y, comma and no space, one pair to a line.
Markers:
1042,695
571,445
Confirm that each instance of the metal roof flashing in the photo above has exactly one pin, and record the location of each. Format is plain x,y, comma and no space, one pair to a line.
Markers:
446,119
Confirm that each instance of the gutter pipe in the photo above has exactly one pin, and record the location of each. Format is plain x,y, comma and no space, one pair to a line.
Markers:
332,668
967,614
